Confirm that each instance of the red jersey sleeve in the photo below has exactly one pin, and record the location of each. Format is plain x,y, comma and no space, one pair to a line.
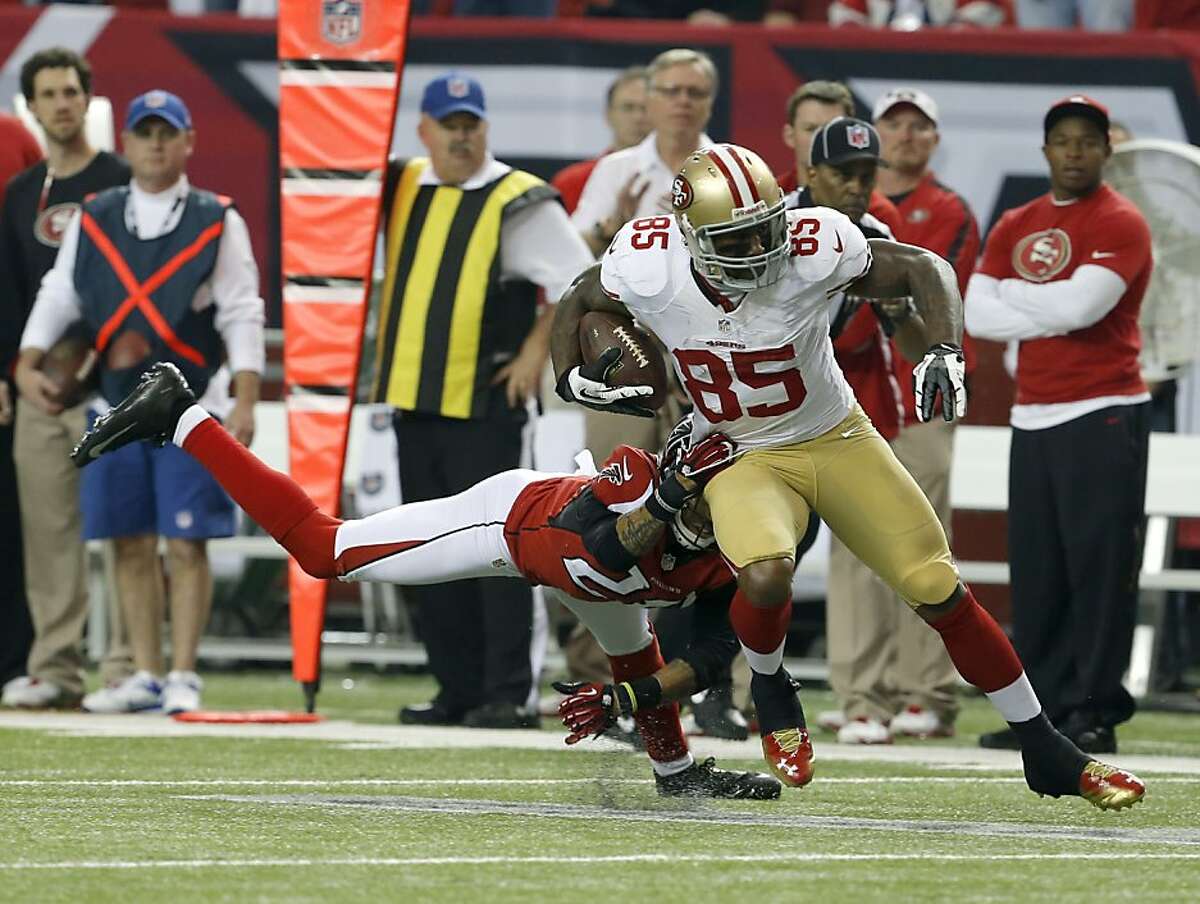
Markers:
997,252
1120,241
626,480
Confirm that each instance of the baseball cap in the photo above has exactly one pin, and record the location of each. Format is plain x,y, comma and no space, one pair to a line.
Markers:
844,139
162,104
1076,105
912,96
453,93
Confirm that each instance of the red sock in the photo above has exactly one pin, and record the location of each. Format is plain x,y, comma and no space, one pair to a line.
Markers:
659,727
761,629
273,500
977,646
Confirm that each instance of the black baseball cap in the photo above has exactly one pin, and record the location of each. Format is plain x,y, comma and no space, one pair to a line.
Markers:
1076,105
842,140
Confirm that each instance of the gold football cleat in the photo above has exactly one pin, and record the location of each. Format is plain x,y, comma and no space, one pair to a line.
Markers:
1110,788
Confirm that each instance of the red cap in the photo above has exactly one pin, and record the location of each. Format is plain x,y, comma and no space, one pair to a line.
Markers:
1076,105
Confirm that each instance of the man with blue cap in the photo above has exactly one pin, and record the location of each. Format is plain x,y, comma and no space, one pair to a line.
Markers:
460,355
159,271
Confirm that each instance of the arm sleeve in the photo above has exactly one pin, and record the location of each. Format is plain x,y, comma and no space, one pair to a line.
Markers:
539,244
854,259
1065,305
57,304
626,480
240,309
987,316
601,540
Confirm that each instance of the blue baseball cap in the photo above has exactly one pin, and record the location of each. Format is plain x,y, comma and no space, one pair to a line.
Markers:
163,104
453,93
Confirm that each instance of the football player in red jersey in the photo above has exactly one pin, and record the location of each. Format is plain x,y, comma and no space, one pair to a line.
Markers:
1063,276
608,545
737,288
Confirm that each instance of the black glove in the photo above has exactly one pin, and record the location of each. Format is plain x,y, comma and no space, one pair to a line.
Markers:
586,384
941,370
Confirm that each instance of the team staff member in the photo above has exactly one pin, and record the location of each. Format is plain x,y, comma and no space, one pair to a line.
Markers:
460,352
1064,275
159,270
811,106
57,85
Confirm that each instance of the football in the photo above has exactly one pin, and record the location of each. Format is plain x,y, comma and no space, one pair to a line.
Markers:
641,361
71,364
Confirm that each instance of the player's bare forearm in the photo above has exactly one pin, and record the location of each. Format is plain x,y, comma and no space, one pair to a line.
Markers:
677,680
899,270
584,295
638,531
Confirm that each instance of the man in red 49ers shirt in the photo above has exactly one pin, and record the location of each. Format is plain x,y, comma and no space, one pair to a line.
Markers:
1064,276
608,545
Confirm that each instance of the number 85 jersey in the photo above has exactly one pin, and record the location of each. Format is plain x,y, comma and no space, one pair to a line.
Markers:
759,366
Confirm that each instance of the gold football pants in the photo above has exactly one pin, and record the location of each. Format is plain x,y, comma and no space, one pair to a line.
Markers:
853,481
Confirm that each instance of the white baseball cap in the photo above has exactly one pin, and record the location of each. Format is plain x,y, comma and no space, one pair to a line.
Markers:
898,96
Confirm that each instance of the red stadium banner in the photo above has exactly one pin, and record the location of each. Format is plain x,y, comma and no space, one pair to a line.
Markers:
339,77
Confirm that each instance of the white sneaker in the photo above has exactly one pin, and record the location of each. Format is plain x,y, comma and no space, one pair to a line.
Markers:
181,693
831,720
864,731
918,722
136,693
26,692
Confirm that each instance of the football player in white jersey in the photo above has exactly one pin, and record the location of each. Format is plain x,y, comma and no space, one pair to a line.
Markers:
737,289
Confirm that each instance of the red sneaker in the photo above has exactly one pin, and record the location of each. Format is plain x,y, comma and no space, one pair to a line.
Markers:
1108,787
789,755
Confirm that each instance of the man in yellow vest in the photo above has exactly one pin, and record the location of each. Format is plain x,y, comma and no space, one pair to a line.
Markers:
460,352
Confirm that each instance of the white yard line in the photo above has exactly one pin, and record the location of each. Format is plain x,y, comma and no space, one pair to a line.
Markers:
569,860
363,736
427,782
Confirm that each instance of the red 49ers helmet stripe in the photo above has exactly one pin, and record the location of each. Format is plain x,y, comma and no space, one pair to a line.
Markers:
741,186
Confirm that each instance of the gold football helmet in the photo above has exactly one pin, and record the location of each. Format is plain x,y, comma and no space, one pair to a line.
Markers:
730,210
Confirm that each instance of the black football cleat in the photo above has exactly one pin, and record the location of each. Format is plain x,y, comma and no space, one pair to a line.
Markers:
150,412
705,780
1062,770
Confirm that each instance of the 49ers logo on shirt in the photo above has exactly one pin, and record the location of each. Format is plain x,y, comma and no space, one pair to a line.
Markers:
1042,255
52,222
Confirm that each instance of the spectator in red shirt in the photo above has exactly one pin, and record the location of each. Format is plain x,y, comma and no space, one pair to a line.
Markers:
625,111
810,107
1064,276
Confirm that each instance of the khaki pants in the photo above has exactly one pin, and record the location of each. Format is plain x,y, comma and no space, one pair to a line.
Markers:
882,656
55,568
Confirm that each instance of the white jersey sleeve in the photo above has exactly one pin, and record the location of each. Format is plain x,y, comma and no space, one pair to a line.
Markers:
827,248
636,267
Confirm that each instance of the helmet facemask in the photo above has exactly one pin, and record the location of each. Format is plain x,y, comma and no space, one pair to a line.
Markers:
692,525
748,252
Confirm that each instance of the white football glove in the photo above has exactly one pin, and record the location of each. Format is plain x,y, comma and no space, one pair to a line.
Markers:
585,384
941,370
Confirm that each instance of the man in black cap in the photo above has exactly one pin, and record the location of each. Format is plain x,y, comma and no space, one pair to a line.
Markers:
1064,277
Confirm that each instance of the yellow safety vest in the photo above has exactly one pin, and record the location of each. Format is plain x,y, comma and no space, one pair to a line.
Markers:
444,320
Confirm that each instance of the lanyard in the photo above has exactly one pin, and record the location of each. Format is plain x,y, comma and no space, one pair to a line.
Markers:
131,216
46,183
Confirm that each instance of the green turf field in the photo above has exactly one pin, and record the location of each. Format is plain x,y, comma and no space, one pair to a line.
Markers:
141,809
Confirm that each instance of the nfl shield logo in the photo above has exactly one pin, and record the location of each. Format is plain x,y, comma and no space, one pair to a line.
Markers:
341,21
858,136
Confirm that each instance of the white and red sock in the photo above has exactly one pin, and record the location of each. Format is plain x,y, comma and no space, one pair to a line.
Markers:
761,631
986,659
272,499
